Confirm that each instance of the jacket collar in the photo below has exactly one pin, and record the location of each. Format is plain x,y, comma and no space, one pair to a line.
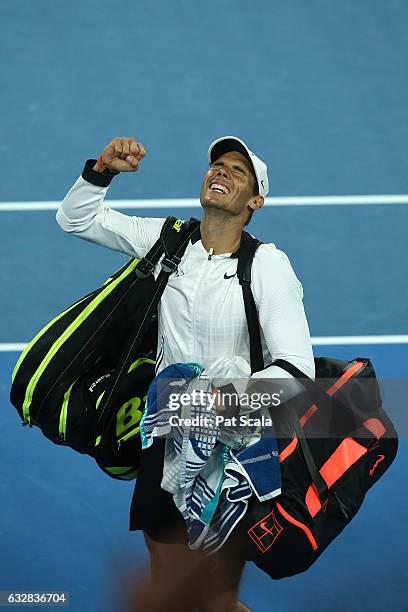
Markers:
197,236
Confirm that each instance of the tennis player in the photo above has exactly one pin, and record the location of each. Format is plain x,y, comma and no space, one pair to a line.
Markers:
201,318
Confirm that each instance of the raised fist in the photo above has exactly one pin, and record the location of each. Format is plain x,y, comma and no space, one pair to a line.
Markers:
121,155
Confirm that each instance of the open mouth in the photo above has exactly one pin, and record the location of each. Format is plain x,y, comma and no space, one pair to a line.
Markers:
219,188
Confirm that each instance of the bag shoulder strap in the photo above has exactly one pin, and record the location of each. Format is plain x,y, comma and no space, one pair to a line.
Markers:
246,256
173,241
173,231
247,250
174,235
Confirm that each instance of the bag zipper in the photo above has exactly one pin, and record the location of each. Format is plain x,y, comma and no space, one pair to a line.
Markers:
64,414
297,523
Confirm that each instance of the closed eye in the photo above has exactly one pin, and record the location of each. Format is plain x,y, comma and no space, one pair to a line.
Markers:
238,169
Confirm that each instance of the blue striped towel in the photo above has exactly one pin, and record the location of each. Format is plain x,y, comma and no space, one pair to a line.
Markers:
211,482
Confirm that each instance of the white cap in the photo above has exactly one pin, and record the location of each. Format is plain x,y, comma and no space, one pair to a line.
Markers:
232,143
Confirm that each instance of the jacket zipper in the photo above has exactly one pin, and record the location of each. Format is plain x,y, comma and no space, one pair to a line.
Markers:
196,299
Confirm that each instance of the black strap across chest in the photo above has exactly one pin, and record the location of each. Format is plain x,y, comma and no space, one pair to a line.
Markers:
172,243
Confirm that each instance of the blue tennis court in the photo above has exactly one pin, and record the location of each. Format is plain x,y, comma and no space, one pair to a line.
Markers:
320,92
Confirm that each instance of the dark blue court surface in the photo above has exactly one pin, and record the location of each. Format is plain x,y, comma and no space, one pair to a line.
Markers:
319,91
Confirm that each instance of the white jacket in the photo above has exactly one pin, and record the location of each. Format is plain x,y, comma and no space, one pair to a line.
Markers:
201,313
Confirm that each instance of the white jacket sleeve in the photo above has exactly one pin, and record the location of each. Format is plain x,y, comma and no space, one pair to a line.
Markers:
278,295
84,213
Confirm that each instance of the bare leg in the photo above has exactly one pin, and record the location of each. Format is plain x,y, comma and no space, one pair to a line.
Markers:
184,581
223,575
172,587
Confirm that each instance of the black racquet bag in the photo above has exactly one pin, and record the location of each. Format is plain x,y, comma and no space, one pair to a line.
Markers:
84,377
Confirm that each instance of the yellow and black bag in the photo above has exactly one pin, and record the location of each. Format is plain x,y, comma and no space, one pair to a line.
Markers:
83,378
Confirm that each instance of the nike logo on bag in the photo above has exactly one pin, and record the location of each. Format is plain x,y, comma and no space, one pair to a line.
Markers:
226,276
380,458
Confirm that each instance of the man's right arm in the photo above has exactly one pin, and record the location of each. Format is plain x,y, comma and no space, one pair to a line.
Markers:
84,213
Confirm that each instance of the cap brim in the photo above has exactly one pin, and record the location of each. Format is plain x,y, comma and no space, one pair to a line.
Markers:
231,144
226,145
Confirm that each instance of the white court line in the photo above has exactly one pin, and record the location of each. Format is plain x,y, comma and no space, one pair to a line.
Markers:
345,200
10,347
339,340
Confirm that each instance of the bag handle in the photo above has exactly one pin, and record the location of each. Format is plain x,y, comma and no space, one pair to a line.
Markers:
310,385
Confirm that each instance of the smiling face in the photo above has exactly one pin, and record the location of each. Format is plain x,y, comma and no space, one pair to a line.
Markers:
230,185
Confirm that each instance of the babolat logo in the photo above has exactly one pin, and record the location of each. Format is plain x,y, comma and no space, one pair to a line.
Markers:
265,531
178,224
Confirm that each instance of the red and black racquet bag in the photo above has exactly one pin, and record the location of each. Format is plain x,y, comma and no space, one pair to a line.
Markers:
334,440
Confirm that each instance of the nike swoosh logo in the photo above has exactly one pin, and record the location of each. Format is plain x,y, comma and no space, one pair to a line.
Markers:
226,276
380,458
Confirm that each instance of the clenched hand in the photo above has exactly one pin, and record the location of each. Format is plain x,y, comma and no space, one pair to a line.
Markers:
121,155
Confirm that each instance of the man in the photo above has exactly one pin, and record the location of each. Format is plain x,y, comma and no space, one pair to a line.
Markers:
201,319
